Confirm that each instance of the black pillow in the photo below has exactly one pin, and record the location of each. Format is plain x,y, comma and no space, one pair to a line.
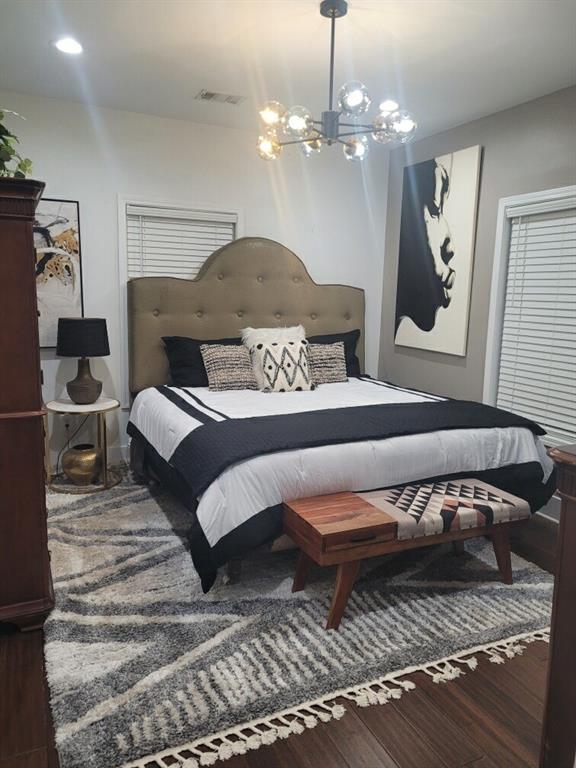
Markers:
185,359
350,339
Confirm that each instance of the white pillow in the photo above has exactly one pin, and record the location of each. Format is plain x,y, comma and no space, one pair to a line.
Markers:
253,336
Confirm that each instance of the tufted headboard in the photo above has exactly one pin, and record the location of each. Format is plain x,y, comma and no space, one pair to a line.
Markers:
252,281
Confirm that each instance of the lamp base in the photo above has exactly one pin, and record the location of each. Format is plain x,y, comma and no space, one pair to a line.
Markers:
84,389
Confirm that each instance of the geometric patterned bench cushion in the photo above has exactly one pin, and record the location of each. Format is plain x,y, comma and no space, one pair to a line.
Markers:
425,509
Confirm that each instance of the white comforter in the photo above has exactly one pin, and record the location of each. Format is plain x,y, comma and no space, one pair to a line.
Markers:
250,486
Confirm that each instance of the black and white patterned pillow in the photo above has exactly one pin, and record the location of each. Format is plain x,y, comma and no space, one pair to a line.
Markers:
283,367
327,363
282,335
228,367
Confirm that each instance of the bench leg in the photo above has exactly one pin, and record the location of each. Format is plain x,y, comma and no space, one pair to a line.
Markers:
501,542
233,571
345,579
302,566
458,547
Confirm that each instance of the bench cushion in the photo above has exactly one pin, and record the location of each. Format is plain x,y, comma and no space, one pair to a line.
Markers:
425,509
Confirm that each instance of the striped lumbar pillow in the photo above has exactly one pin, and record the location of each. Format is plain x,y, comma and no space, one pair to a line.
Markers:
228,367
328,363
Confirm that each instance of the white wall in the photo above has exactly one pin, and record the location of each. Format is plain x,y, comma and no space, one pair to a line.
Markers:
329,211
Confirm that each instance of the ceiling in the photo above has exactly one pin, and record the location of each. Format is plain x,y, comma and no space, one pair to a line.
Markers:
448,61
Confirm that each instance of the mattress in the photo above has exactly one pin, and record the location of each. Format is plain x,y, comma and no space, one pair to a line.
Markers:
227,448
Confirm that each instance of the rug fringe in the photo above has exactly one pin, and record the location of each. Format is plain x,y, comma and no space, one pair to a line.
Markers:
238,740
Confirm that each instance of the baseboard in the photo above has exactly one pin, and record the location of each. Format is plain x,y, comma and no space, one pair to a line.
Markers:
552,520
118,454
552,510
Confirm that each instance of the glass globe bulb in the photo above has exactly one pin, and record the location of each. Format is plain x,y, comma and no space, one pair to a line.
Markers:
403,126
311,147
353,98
271,113
387,106
268,146
383,132
356,149
297,122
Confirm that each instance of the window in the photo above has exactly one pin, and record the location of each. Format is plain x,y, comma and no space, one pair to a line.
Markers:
173,241
534,359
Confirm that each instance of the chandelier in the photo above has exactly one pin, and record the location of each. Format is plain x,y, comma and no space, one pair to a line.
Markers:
281,126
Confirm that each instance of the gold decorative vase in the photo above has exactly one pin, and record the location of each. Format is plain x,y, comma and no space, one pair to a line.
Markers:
82,464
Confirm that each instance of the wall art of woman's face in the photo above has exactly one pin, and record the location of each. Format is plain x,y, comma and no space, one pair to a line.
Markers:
425,272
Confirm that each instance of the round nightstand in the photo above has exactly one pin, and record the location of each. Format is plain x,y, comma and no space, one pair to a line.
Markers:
102,406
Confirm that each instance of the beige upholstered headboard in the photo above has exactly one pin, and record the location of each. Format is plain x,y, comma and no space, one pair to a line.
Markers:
250,282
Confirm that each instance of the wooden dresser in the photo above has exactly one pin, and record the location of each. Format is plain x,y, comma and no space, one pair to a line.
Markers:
25,583
559,731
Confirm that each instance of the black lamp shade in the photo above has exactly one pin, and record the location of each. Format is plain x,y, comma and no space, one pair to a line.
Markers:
82,337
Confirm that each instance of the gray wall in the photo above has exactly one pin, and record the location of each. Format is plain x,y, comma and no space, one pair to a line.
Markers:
525,149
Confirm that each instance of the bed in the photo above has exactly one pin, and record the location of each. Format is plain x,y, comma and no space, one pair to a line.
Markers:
233,457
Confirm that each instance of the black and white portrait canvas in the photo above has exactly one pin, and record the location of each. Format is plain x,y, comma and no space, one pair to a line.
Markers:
437,230
58,265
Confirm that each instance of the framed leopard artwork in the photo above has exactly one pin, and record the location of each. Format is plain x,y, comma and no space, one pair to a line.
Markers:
58,265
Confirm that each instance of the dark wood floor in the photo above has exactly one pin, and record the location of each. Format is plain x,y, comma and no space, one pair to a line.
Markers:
487,719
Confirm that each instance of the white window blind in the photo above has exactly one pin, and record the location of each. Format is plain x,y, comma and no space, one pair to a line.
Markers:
537,375
174,241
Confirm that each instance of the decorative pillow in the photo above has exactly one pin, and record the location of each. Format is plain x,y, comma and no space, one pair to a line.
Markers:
228,367
283,367
185,359
350,339
253,336
327,363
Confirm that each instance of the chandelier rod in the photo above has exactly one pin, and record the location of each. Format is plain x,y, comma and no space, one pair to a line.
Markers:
332,46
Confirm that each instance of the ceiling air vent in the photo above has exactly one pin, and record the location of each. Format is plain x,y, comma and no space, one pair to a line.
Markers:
220,98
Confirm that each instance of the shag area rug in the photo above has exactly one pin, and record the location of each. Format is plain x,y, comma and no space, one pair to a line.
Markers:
143,668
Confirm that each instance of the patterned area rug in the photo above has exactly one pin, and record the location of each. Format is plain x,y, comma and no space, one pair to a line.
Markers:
142,666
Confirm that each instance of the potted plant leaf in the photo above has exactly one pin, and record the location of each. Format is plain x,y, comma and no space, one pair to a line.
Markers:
12,164
14,168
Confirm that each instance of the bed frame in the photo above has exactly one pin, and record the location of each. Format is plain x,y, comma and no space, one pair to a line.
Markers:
252,281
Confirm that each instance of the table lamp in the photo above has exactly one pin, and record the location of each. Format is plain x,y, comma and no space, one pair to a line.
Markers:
83,337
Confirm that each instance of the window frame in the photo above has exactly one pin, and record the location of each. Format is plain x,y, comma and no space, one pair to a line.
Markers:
546,201
123,202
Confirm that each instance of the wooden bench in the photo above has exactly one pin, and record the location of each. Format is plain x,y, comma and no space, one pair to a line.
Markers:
345,528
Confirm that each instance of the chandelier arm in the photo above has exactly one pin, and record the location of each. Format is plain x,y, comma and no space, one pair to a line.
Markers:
357,125
301,141
358,133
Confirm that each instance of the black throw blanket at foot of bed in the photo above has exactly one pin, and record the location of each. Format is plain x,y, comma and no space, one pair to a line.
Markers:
216,445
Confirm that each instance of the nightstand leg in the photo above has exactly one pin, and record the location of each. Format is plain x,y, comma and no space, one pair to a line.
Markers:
302,567
104,450
345,579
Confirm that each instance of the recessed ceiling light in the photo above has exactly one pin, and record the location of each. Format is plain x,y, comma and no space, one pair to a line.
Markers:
68,45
